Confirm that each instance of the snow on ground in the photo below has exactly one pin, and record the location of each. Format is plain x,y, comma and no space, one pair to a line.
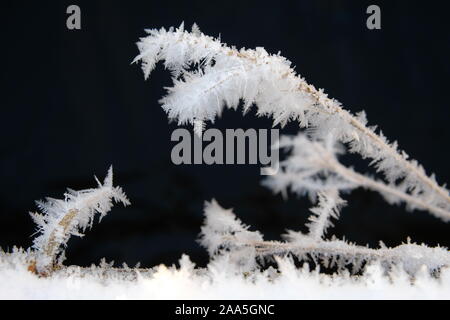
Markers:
218,281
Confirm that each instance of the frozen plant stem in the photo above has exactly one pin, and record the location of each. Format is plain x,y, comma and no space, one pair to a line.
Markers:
383,188
341,253
328,207
60,219
330,163
377,141
223,233
52,246
313,166
208,76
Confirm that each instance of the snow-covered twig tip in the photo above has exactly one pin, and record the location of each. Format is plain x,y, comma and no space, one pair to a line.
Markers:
60,219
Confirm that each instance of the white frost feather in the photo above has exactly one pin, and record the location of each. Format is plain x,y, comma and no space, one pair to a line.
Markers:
60,219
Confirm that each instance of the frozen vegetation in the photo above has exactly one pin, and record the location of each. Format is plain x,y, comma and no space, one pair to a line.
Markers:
209,76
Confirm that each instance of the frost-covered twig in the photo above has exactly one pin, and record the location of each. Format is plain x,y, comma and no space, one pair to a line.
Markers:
341,253
223,232
313,166
219,224
222,76
60,219
328,207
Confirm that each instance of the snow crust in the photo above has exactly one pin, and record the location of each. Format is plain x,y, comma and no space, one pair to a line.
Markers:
219,280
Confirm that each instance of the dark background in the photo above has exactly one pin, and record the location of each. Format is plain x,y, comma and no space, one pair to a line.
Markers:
72,105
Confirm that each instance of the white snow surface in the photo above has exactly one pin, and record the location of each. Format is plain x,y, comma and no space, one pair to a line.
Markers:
219,280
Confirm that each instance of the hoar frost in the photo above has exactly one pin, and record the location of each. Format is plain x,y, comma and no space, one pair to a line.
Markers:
209,76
